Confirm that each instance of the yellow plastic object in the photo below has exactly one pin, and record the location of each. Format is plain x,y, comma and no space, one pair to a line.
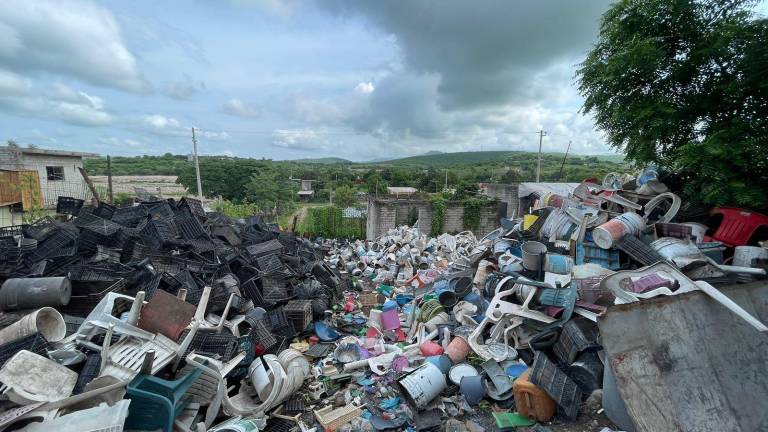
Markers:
531,401
529,220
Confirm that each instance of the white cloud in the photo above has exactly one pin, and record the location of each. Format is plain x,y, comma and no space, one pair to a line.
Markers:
300,139
76,38
184,89
123,142
168,126
12,84
237,107
365,88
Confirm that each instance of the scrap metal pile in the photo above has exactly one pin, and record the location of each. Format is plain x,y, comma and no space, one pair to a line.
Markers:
162,316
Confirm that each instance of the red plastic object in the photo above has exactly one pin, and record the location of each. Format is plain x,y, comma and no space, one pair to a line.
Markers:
430,348
737,226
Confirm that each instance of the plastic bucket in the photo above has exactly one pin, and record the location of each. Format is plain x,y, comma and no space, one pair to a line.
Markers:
448,299
612,231
260,379
422,385
473,389
559,264
743,255
441,318
532,251
461,370
698,231
671,248
461,285
441,361
500,247
390,320
46,321
458,349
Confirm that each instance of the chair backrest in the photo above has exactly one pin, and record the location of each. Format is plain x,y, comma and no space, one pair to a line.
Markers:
738,225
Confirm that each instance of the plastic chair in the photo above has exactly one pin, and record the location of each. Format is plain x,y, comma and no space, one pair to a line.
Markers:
737,226
155,402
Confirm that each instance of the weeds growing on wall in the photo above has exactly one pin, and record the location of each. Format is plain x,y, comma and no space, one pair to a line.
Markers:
472,207
329,222
438,215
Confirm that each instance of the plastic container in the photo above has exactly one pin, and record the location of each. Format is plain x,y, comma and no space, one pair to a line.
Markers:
559,264
461,285
103,418
607,234
46,321
742,255
531,401
422,385
31,293
448,299
390,320
458,349
532,251
430,309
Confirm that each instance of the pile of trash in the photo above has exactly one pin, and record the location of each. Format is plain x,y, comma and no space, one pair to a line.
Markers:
146,316
162,316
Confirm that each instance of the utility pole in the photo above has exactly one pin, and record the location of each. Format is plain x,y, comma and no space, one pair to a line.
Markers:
542,133
197,167
446,180
564,158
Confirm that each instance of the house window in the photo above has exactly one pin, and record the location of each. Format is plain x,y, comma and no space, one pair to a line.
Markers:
55,173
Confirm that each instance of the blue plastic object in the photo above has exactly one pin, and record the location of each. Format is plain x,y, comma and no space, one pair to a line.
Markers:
516,370
389,305
155,402
324,332
587,253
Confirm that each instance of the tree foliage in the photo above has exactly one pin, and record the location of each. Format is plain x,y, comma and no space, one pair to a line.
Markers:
345,196
681,83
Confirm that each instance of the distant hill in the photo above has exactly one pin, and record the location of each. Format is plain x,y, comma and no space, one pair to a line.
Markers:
324,161
439,160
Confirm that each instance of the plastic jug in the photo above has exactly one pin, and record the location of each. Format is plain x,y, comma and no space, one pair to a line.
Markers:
531,401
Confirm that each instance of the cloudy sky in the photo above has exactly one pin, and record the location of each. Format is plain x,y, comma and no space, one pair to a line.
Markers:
359,79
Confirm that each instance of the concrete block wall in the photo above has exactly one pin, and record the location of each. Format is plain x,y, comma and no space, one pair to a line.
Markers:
506,193
383,215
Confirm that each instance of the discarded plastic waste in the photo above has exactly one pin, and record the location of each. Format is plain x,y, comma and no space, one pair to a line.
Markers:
30,293
422,385
46,321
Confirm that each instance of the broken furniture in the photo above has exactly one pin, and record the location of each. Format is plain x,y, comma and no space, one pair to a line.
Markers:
156,403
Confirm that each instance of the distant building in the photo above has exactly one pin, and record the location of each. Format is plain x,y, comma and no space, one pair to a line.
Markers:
401,191
57,171
305,190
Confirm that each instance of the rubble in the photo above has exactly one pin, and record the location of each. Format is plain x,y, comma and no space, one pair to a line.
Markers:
164,316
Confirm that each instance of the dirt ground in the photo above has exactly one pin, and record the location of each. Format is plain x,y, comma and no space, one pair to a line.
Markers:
165,186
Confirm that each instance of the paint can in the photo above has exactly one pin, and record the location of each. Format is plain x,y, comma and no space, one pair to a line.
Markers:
607,234
31,293
532,251
671,248
458,349
422,385
744,255
47,321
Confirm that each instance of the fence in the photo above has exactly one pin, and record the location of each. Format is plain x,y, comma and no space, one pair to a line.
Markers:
53,189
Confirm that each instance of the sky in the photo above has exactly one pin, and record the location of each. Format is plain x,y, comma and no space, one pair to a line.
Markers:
289,79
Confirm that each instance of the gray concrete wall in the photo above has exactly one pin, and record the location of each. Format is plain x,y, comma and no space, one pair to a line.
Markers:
506,193
385,214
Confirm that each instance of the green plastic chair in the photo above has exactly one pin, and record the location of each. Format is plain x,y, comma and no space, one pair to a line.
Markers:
156,403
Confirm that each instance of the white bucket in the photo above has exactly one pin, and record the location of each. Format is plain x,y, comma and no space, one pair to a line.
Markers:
422,385
47,321
671,248
697,231
743,255
607,234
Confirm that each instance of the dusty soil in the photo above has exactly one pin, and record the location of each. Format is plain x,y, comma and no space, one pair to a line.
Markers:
154,184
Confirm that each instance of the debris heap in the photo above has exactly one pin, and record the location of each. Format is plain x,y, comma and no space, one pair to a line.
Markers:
164,316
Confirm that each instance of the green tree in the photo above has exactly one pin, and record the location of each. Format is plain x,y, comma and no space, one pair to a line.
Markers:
681,83
266,187
345,196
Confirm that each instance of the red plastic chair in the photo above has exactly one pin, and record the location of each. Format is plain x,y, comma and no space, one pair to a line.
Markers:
738,225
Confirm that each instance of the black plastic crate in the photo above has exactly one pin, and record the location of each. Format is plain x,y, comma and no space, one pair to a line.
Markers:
91,370
35,343
129,216
61,243
194,206
104,210
13,230
557,384
189,227
69,205
224,344
42,228
157,232
638,250
86,294
159,209
265,248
